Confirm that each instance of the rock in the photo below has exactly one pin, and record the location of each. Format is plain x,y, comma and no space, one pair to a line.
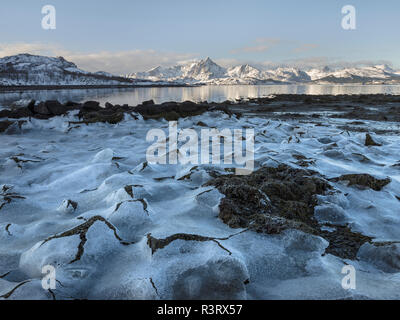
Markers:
70,104
271,200
91,106
41,108
281,192
11,127
16,114
364,180
148,103
56,108
31,106
108,105
370,142
201,124
4,125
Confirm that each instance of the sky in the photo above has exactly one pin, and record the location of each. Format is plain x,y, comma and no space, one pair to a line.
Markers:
125,36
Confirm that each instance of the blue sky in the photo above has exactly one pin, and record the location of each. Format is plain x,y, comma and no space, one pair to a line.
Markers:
124,36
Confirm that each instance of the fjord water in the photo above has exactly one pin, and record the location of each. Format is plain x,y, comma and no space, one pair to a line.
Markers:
136,96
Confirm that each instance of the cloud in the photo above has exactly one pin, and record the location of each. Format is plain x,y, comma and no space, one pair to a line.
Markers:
259,45
127,61
320,62
121,62
124,62
305,47
7,49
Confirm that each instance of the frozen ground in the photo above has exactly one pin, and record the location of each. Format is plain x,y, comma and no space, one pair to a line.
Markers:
84,200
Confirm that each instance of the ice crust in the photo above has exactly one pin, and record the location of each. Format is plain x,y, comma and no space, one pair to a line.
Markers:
103,169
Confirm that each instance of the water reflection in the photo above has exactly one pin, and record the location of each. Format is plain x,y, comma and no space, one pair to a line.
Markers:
136,96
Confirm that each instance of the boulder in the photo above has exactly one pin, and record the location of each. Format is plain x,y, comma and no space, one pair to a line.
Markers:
148,103
55,108
41,108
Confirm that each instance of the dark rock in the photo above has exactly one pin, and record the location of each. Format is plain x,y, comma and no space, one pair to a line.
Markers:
105,115
73,204
41,108
71,104
282,192
108,105
5,113
22,113
364,180
31,106
4,125
271,200
370,142
56,108
148,103
16,114
91,106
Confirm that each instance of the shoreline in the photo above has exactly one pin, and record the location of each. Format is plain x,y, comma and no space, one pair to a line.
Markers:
83,87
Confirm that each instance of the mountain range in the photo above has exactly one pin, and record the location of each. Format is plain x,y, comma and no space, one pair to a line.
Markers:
208,72
33,70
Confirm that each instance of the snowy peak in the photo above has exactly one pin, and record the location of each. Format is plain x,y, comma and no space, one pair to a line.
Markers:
35,63
288,75
33,70
244,71
204,70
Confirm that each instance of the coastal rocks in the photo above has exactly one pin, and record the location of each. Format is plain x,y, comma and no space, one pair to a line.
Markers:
42,110
364,181
282,192
271,200
172,111
16,114
50,108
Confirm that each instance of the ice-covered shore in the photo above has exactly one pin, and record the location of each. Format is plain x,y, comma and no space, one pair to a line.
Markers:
82,198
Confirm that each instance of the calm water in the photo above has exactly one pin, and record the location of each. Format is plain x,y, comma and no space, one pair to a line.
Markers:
205,93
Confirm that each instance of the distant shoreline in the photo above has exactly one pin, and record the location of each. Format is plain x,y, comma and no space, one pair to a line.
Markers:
83,87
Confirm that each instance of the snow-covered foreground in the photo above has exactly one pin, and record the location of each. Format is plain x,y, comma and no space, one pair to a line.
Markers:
85,201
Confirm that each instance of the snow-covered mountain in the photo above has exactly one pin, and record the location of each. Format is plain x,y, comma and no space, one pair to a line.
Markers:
198,71
33,70
369,74
208,72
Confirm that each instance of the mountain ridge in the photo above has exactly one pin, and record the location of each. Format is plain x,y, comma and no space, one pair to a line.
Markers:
207,71
35,70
